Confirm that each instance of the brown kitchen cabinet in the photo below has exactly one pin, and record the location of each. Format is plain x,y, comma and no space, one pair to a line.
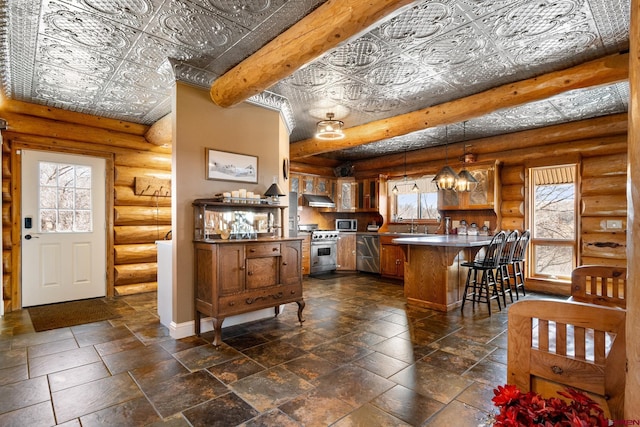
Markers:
306,253
482,197
346,252
367,195
238,277
392,258
346,195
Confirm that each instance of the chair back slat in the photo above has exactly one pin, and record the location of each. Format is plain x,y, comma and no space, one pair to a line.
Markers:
521,246
600,284
494,251
509,247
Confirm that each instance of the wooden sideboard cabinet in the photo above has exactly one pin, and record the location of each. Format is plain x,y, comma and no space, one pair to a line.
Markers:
236,277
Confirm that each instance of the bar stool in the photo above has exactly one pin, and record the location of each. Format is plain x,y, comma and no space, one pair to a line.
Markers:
519,256
486,289
506,261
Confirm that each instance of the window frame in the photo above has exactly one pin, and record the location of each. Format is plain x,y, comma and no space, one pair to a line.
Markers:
393,200
535,241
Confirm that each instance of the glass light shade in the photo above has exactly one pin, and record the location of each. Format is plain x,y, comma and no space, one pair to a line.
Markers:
415,188
446,179
330,128
466,181
395,190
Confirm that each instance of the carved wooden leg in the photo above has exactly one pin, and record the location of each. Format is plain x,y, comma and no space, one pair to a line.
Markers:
301,305
217,331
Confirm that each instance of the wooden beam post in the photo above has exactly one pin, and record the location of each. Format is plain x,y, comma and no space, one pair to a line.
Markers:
610,69
323,29
632,386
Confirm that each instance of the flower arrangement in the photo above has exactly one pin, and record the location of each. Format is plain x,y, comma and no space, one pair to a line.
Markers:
518,409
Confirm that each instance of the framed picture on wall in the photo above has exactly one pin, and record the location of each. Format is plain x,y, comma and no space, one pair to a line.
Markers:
228,166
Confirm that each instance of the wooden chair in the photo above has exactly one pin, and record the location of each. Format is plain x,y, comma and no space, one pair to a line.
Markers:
600,284
557,344
519,257
485,289
506,261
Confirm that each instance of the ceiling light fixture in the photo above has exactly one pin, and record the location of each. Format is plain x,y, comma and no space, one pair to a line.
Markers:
329,128
466,181
446,178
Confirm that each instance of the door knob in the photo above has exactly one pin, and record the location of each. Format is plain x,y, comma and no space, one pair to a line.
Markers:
29,237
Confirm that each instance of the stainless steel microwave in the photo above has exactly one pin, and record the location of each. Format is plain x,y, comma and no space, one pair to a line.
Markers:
347,224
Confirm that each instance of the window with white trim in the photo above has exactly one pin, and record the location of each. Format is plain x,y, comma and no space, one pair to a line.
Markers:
409,204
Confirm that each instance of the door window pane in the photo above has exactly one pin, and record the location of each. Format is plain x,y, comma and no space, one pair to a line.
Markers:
65,198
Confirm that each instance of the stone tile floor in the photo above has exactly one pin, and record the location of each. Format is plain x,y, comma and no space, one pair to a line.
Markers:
361,358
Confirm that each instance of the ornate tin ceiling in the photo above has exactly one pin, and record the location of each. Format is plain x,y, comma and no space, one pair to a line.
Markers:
120,58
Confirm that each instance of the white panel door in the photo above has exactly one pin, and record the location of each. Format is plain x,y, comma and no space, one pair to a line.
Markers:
63,227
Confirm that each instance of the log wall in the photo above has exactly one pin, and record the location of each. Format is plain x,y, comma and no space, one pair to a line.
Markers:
603,207
137,220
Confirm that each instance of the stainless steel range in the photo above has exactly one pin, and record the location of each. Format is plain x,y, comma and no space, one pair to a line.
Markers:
323,251
323,248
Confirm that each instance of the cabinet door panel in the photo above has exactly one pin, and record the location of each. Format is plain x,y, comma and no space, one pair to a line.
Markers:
290,262
262,272
232,272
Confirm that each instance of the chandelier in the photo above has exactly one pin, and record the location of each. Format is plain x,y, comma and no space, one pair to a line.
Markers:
466,181
329,128
446,178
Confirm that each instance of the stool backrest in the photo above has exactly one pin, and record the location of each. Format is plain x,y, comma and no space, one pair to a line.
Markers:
494,250
509,247
521,246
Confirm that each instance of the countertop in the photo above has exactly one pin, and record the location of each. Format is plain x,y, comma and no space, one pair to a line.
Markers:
445,240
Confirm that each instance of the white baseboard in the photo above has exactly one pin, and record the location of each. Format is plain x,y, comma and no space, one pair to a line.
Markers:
187,329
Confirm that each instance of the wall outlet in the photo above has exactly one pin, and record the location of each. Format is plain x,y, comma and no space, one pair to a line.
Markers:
614,224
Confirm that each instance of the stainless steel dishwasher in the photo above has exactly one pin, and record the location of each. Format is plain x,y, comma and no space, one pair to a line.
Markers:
368,253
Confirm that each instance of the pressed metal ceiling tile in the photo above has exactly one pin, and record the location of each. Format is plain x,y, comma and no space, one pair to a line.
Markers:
120,59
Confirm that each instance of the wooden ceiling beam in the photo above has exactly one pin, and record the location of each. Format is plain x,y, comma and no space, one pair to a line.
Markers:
323,29
599,127
606,70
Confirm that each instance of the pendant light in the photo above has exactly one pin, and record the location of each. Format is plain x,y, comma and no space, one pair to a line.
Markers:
466,181
329,128
415,188
446,178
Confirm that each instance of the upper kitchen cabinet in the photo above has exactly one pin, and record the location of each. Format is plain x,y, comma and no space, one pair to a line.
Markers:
346,195
367,195
294,183
483,196
310,184
322,186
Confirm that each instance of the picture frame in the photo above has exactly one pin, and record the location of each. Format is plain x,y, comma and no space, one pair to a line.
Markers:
229,166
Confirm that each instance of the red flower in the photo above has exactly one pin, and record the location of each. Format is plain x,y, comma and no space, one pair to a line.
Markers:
519,409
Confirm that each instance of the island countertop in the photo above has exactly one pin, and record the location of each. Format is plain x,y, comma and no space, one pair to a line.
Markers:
449,240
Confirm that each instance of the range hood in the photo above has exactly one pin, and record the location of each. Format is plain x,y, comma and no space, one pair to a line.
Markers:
318,201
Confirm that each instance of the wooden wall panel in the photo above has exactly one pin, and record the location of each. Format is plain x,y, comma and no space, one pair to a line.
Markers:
603,209
604,205
125,196
512,223
513,192
603,185
126,274
510,208
614,164
142,215
134,254
130,234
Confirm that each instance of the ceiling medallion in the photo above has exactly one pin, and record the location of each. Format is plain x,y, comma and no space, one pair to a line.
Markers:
329,128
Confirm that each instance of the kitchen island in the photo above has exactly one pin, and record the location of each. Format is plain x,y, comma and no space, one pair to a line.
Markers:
433,275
